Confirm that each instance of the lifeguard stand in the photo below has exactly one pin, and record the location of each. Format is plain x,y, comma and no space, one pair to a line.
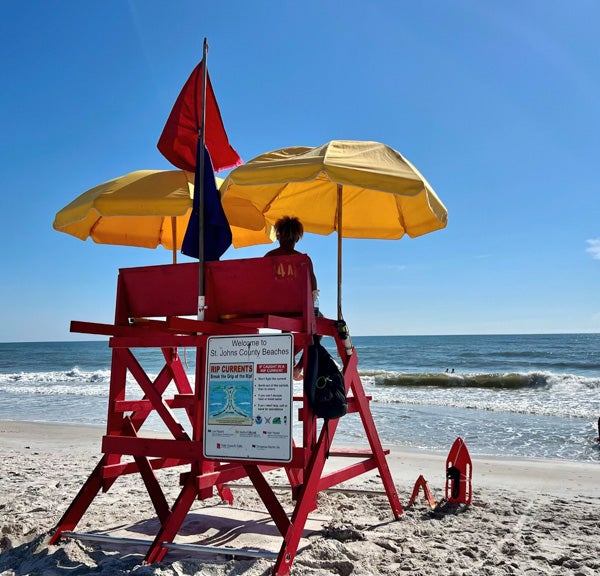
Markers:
152,311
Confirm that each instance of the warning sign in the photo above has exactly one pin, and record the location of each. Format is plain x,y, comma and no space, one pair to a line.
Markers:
248,409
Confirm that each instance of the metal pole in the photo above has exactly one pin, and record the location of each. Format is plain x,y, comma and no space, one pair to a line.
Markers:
199,186
242,552
227,551
339,240
342,328
174,236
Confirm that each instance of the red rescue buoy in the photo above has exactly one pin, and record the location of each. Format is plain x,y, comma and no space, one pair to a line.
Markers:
459,470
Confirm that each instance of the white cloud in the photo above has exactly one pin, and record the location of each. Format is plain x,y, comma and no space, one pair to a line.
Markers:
594,248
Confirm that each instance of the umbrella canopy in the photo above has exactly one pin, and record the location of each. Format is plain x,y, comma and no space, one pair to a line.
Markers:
359,189
145,208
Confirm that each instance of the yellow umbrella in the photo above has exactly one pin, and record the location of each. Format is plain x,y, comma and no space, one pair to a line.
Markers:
144,208
359,189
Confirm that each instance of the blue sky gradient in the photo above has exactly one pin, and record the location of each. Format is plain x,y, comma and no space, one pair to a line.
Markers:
495,102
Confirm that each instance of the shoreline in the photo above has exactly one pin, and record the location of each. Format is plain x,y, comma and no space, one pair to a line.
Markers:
406,464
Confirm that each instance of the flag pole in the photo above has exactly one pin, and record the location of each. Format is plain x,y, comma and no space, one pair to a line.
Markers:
199,185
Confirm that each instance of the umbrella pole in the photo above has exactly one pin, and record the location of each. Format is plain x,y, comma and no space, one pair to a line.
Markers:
342,328
174,236
339,263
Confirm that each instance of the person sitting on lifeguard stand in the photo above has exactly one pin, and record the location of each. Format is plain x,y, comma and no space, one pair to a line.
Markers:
289,231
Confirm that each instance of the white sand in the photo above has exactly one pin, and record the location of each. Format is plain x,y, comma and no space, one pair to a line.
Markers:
527,517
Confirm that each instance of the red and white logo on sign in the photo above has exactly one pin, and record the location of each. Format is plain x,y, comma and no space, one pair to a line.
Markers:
271,368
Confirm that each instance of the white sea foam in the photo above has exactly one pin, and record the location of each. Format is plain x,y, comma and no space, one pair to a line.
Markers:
564,395
74,382
512,395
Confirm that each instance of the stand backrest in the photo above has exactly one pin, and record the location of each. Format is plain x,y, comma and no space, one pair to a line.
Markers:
278,285
157,291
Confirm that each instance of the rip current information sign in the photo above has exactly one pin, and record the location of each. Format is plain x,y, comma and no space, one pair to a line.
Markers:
249,390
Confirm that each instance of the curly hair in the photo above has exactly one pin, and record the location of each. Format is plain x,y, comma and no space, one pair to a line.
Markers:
289,230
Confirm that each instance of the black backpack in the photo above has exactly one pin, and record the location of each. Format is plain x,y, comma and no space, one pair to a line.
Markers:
324,384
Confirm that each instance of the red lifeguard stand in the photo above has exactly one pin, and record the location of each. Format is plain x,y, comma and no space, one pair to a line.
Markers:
242,297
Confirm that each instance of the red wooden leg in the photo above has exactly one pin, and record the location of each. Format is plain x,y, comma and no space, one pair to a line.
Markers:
304,505
81,502
269,499
373,436
173,522
154,490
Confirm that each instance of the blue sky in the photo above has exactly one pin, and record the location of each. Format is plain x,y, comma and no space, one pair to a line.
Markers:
495,102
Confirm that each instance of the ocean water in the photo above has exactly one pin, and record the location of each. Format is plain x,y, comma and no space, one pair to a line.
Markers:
529,396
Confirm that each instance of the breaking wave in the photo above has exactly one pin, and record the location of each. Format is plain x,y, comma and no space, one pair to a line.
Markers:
499,381
61,382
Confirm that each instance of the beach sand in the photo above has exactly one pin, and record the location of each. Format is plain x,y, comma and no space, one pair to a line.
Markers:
527,517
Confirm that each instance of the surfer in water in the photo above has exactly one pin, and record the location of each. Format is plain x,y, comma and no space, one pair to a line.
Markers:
598,438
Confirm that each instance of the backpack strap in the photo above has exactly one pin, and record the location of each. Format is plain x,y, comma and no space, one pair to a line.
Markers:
311,373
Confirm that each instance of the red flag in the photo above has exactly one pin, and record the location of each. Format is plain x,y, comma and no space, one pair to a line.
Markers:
179,137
